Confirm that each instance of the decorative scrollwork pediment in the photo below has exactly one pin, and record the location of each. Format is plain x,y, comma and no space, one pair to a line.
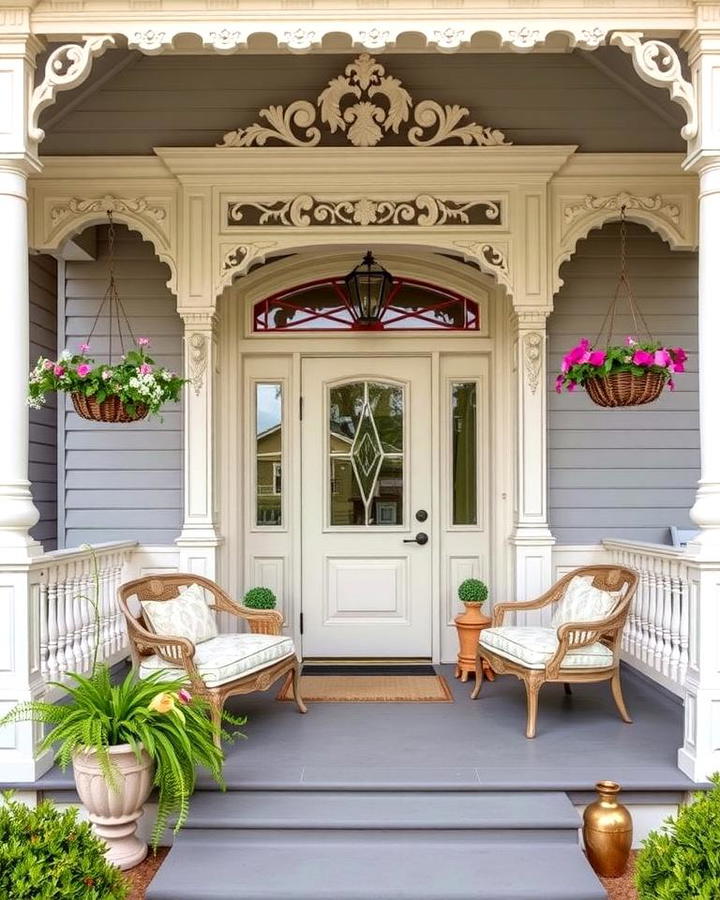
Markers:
365,104
657,204
423,211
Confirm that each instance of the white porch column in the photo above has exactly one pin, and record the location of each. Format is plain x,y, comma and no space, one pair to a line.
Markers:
700,753
20,677
199,538
531,536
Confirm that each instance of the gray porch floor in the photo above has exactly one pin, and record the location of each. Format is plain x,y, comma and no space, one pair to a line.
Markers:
466,744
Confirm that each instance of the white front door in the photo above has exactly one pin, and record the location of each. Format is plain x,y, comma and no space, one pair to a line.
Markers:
366,497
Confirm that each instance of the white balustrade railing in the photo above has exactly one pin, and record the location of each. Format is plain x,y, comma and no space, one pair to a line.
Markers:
66,587
656,637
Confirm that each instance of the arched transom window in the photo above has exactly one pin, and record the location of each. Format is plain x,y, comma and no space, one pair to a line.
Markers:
324,305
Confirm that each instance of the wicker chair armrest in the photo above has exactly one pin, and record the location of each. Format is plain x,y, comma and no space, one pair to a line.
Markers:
573,635
175,650
501,608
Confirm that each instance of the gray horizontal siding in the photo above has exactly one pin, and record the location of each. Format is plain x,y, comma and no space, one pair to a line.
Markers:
192,100
43,422
626,473
124,482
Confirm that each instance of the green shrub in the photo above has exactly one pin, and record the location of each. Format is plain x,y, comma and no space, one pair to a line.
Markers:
46,854
260,598
472,590
682,860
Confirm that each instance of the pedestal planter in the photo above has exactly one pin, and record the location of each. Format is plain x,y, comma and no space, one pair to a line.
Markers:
625,389
469,625
112,409
607,831
114,811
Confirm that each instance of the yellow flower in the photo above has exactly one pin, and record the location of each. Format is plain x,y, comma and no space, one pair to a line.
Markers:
162,703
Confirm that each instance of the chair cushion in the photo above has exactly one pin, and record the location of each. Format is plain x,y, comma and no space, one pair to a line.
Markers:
533,646
584,603
227,657
187,615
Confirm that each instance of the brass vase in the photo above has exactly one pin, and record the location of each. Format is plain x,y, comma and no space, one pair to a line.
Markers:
607,830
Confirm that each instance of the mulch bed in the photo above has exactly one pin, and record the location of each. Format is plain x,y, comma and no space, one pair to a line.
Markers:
140,877
622,888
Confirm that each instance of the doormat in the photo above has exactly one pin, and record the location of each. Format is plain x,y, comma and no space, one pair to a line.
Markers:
368,669
371,689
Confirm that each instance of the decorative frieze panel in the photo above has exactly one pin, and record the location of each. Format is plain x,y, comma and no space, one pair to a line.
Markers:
660,206
423,211
365,105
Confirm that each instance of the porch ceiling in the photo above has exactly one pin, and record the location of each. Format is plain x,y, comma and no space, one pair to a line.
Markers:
133,103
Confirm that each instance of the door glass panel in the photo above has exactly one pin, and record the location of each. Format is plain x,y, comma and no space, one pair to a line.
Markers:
464,450
366,454
268,454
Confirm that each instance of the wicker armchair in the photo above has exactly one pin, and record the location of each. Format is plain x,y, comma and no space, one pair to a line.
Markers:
171,652
582,651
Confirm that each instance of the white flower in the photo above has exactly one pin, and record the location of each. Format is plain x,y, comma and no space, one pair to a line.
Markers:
66,354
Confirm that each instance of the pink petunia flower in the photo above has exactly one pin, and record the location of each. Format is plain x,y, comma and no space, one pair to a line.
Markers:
643,358
671,384
677,367
83,369
48,364
84,348
597,357
661,358
143,342
145,369
630,341
572,386
58,371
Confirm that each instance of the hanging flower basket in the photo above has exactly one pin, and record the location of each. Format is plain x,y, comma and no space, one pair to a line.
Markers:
629,375
125,392
625,389
112,409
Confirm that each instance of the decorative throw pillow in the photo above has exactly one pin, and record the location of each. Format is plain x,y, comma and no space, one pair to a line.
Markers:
186,615
584,603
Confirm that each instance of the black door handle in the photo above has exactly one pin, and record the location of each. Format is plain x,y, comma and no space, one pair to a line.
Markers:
420,538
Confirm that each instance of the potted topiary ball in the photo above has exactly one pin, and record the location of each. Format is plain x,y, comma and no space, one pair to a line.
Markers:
260,598
473,593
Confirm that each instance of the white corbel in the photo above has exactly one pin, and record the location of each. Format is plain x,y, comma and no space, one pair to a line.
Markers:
67,67
658,64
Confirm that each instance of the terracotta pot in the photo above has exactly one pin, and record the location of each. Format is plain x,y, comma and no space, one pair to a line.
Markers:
607,831
469,625
114,812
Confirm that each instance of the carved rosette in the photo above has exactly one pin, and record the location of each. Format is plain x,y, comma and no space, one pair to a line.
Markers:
423,211
197,360
365,104
532,357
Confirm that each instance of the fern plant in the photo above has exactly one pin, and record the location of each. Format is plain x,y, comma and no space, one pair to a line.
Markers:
152,713
682,860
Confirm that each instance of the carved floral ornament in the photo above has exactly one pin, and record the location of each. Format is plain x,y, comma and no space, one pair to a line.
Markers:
423,211
365,104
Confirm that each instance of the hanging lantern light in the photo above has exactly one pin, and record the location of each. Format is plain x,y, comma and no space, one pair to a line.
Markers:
368,287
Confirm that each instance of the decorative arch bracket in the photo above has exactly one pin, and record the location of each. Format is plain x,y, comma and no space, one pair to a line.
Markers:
490,258
658,64
67,67
61,217
671,215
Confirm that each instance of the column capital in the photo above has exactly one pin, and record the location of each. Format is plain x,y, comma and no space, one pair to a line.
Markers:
524,318
199,318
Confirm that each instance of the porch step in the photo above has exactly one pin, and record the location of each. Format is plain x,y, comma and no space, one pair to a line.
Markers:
224,865
378,845
543,813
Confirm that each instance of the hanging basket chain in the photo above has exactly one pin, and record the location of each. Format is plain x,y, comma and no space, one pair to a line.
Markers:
624,286
111,299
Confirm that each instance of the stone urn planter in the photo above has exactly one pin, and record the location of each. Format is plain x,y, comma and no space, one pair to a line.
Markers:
115,810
